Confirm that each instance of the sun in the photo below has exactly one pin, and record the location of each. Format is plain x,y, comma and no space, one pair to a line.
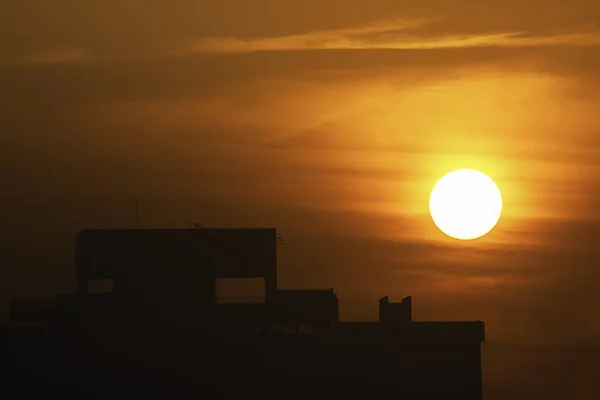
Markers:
465,204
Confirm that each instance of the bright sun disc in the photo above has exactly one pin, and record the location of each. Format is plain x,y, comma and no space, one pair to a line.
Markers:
465,204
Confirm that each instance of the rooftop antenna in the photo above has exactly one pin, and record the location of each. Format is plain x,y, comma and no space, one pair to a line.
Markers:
279,239
196,225
137,213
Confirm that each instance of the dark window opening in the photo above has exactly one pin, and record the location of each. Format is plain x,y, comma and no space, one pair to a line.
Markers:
97,286
240,290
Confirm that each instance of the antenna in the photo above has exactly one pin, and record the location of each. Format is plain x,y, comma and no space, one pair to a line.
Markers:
196,225
279,239
137,213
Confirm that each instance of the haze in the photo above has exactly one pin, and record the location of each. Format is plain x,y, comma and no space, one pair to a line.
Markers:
330,121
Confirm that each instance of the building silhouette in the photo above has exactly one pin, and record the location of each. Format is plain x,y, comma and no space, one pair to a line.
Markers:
147,311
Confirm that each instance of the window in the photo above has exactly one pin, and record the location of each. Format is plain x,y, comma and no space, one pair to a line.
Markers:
28,324
305,329
240,290
101,286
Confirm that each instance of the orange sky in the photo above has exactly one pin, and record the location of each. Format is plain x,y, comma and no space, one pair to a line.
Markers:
329,120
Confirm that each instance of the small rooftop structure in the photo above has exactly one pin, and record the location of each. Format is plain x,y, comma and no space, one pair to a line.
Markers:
395,312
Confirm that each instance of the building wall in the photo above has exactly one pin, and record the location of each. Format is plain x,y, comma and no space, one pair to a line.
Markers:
404,369
318,307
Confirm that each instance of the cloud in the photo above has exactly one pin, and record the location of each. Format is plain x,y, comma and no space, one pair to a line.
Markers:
139,30
403,35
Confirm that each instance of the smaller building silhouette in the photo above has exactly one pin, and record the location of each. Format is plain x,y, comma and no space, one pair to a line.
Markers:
395,312
147,299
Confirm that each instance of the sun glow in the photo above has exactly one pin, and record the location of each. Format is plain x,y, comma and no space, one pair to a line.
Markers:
465,204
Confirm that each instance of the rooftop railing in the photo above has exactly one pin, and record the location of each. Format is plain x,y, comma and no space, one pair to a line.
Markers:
240,299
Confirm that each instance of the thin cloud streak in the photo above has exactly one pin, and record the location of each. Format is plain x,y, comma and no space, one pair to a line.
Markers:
385,36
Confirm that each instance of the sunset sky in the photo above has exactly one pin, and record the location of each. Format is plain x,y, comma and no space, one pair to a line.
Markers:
330,120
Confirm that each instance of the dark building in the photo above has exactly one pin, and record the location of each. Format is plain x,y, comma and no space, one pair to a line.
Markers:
395,312
147,299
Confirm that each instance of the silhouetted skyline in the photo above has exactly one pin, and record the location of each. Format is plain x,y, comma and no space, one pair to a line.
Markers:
152,297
